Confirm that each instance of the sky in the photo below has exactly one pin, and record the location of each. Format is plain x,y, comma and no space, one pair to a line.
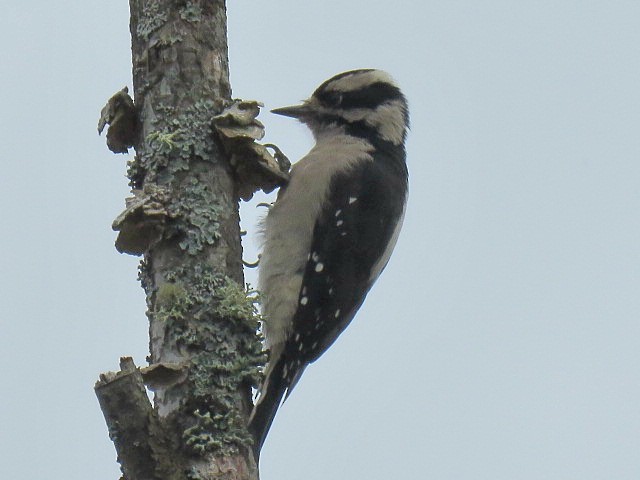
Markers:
501,342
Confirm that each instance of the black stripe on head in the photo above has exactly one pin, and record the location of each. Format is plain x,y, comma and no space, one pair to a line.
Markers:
367,102
366,89
370,96
324,86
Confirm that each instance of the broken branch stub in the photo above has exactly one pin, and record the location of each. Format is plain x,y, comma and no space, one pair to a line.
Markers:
134,426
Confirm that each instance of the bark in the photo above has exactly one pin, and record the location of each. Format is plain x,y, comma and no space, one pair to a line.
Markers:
134,426
204,350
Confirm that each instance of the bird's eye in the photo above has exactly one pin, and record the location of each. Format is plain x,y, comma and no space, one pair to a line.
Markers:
332,99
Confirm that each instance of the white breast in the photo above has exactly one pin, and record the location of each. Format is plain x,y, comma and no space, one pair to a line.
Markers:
288,228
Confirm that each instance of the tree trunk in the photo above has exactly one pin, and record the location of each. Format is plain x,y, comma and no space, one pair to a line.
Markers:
204,349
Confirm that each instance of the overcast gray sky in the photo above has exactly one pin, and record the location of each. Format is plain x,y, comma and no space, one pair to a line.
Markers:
502,341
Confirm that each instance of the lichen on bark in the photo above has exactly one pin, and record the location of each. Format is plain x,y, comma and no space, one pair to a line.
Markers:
205,353
185,86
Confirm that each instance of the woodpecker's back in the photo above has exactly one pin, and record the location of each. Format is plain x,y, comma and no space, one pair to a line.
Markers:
331,231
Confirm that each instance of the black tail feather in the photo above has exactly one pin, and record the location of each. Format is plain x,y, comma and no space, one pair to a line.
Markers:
267,405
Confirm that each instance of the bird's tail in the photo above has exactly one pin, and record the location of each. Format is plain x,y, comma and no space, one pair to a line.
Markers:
264,411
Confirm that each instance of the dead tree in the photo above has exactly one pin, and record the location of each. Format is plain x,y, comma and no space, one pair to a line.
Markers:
187,178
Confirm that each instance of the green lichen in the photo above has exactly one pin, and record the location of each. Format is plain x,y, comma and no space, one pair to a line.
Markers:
172,304
159,156
145,275
215,319
193,474
135,172
207,317
196,139
153,17
197,212
238,302
199,437
170,151
191,12
170,293
214,432
205,294
163,142
171,148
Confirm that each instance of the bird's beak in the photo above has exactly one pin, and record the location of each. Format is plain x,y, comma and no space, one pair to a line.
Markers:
295,111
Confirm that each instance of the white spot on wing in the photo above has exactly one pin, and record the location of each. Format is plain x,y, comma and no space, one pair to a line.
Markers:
339,223
352,199
319,267
337,314
304,300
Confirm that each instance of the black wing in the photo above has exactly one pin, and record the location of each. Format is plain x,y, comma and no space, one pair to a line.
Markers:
350,238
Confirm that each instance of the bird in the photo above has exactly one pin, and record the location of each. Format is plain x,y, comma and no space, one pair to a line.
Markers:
332,229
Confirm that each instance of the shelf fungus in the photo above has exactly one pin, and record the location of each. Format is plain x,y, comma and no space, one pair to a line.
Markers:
142,223
255,166
121,116
163,375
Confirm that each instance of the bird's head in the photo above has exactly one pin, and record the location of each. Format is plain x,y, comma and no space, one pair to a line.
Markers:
366,103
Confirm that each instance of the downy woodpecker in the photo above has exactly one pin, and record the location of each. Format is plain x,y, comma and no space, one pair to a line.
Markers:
333,227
